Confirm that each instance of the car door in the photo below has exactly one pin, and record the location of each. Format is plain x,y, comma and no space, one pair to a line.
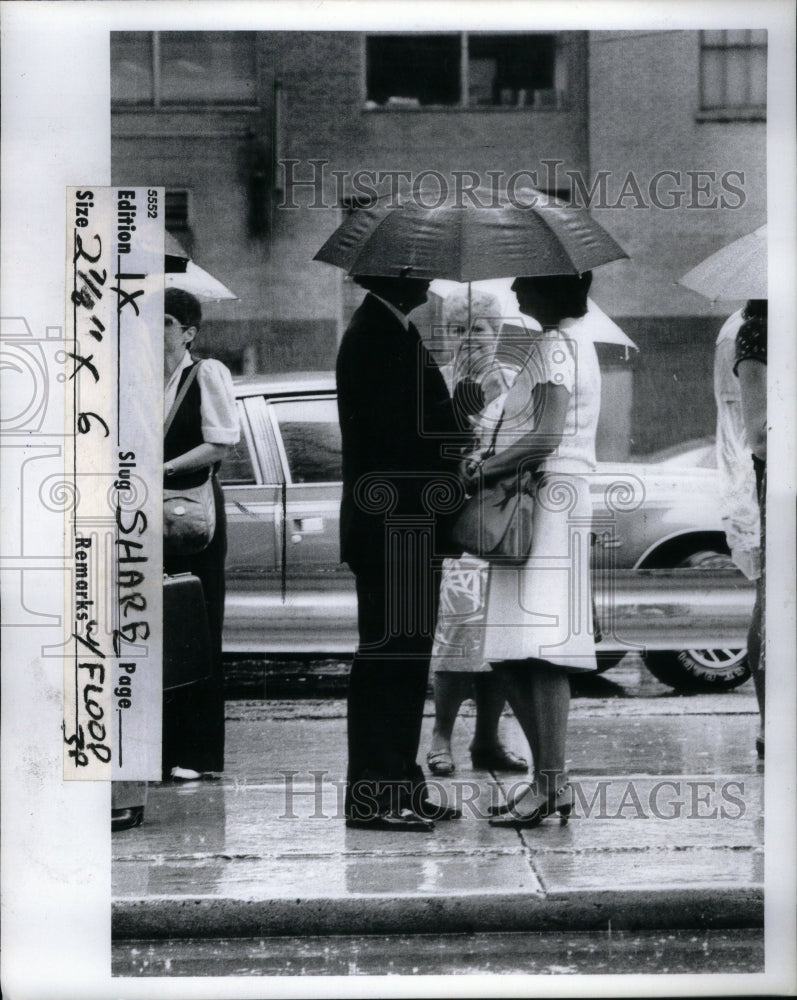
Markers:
308,436
251,477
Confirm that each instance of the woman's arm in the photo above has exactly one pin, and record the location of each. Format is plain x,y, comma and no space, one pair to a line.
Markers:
753,386
198,458
219,418
550,402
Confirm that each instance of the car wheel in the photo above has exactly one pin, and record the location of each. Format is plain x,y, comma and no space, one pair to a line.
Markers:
701,669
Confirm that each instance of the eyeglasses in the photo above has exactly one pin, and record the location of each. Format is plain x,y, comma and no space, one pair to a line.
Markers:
170,322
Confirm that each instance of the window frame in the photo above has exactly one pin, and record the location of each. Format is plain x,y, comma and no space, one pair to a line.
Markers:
248,441
561,104
728,111
157,104
272,403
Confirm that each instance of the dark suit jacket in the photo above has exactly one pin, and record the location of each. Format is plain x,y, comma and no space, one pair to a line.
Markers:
396,419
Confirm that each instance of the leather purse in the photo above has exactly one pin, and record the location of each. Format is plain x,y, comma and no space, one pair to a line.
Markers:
496,523
189,514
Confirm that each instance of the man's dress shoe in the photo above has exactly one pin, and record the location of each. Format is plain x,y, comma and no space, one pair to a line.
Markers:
398,822
432,811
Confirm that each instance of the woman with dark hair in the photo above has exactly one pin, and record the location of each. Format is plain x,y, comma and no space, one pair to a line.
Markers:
203,429
751,369
539,624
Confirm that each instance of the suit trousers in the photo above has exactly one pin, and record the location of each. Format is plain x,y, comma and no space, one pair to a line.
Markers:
397,605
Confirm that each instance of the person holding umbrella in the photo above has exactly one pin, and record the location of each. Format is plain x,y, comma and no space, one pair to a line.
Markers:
380,401
396,418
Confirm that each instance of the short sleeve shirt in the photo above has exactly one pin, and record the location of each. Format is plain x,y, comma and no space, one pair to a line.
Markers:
566,358
751,344
220,424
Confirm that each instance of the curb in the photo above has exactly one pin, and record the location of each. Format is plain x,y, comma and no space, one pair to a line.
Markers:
213,917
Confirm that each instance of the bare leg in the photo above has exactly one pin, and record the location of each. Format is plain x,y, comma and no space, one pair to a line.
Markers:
539,694
517,689
450,690
551,699
490,699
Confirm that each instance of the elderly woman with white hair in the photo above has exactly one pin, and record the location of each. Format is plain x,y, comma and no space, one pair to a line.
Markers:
478,385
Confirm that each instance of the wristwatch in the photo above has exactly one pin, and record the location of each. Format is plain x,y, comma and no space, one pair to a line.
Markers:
168,469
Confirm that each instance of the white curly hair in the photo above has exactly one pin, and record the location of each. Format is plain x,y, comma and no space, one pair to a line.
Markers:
483,306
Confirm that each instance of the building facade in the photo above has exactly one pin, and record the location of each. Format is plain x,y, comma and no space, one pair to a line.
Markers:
264,139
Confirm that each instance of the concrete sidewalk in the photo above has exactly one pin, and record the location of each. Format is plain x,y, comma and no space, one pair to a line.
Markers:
667,832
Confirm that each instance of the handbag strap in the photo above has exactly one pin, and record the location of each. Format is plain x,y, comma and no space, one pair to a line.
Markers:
491,447
180,397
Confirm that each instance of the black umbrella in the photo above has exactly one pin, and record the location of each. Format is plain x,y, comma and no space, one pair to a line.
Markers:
530,234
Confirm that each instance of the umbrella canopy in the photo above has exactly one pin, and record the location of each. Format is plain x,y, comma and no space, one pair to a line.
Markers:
174,254
737,271
467,241
199,283
597,326
181,272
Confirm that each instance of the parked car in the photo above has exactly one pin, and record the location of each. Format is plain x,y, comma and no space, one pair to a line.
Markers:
289,593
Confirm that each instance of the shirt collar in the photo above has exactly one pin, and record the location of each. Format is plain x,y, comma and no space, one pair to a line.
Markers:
402,318
186,362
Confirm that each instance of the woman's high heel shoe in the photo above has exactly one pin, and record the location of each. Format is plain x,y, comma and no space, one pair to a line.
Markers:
561,801
509,805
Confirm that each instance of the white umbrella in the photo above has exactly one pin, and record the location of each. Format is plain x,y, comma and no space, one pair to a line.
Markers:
737,271
596,324
199,283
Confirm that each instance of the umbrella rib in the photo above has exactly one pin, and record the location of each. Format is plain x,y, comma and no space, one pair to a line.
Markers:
541,217
364,248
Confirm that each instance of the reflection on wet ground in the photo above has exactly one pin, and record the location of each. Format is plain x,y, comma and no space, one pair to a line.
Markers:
668,793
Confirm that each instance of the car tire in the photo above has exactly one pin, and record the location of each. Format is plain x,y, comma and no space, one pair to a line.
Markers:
692,670
608,660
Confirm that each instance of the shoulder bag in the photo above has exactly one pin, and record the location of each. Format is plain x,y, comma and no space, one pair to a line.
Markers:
189,514
496,523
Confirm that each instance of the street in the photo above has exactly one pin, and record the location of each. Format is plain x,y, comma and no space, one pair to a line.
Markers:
660,869
499,954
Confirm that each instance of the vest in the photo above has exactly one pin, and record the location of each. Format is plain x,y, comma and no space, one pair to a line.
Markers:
184,434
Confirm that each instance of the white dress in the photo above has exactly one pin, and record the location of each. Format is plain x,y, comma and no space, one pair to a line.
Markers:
543,610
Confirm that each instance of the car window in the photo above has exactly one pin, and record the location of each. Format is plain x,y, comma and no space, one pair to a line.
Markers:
311,437
237,467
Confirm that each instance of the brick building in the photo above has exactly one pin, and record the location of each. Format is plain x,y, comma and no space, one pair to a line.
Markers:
253,133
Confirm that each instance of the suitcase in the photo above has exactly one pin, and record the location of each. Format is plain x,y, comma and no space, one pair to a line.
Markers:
186,637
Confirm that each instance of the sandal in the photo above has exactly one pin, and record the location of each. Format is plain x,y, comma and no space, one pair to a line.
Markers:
441,763
498,758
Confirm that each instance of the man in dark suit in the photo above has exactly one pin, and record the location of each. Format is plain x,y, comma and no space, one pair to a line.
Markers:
399,435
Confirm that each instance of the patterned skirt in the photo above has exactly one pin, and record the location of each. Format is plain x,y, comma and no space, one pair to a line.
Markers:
459,636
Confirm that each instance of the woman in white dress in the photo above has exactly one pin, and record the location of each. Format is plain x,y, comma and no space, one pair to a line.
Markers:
539,625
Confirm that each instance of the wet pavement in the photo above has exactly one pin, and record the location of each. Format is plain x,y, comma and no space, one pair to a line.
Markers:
702,952
667,833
